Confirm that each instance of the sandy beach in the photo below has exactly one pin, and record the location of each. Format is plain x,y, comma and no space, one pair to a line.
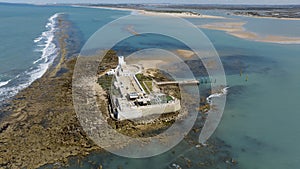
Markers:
233,28
237,29
103,7
185,53
181,15
157,13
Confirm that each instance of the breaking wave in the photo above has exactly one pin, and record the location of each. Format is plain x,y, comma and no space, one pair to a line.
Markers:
4,83
223,92
46,46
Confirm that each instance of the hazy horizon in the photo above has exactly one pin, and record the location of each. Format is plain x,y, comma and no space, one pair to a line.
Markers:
198,2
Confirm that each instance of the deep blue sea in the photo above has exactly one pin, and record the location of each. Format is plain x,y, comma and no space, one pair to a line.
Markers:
260,124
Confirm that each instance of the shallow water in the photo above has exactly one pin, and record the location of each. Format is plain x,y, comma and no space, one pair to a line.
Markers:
260,122
279,27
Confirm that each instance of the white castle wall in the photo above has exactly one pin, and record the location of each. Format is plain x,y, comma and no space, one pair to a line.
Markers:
144,111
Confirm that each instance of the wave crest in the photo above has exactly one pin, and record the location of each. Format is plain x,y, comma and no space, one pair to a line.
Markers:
48,50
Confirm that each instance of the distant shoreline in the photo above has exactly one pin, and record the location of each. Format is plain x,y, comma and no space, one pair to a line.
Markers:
103,7
260,11
237,29
182,14
268,17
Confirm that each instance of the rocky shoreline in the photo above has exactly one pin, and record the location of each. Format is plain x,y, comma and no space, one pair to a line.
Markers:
41,126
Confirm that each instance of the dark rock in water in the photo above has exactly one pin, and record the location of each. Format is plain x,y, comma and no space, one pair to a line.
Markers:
247,64
19,98
254,141
61,71
5,108
72,38
236,90
146,41
4,127
3,114
197,67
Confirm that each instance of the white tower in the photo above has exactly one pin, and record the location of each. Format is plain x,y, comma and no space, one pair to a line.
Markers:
121,60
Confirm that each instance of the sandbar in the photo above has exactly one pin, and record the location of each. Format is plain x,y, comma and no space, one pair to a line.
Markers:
237,29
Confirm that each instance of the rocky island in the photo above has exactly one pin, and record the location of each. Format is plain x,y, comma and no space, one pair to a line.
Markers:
145,118
41,126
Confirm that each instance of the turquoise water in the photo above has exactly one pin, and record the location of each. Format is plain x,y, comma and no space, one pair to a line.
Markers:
259,26
279,27
28,44
260,122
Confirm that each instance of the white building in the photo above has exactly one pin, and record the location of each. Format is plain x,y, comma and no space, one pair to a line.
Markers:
133,102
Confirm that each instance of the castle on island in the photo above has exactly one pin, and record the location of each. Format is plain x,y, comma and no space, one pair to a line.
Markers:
132,97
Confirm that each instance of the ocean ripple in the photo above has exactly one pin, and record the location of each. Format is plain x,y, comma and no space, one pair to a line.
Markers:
46,46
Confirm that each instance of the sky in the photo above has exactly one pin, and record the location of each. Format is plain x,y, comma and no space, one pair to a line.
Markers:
257,2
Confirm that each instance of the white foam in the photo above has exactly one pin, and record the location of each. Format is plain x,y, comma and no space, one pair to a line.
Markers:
48,54
36,40
223,92
42,45
4,83
48,37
